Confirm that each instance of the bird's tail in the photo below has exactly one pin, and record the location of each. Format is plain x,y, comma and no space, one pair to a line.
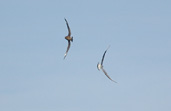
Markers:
72,39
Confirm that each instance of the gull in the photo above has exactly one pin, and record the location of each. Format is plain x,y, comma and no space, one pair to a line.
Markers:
68,38
100,66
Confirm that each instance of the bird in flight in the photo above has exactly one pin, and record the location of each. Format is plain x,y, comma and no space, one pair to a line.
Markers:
100,66
68,38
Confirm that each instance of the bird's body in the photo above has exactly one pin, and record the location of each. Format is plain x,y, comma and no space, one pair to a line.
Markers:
100,66
68,38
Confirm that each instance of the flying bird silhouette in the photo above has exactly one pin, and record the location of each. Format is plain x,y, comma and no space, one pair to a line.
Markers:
68,38
100,66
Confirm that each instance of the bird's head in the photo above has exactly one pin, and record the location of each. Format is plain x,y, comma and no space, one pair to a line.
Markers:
98,66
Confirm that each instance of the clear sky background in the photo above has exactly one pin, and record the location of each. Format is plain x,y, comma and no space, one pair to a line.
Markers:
34,76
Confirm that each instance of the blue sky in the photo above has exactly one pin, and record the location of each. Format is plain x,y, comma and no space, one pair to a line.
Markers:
34,76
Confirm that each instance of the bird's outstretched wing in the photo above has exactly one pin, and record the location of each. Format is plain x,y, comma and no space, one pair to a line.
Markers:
107,75
67,49
104,55
69,31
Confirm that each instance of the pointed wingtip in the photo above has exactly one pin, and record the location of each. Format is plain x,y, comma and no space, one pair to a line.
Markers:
65,56
114,81
108,47
65,19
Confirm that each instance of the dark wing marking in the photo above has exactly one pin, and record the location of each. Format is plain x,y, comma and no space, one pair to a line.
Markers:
107,75
69,31
67,49
104,55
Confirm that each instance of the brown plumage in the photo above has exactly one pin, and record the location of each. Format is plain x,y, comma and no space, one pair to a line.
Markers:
68,38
